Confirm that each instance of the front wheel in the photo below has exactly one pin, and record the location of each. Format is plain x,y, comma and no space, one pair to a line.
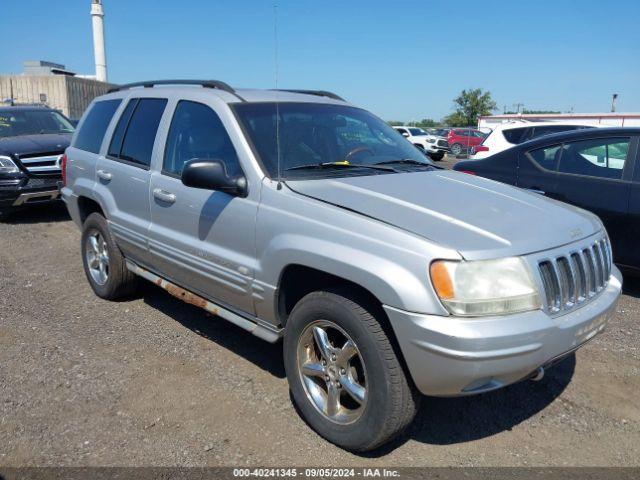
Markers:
343,372
437,156
5,213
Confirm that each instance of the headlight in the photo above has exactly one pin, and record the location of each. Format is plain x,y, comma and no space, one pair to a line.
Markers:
486,287
7,165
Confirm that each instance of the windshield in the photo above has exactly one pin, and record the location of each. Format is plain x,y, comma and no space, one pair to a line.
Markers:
316,133
416,132
32,122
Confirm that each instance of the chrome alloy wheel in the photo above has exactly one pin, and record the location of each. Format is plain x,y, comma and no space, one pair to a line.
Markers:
332,372
97,258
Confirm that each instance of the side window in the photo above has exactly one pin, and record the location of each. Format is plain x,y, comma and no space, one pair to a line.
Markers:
95,125
546,157
197,132
548,130
121,127
602,157
136,131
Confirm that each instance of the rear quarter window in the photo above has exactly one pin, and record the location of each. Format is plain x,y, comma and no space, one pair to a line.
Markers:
515,136
94,126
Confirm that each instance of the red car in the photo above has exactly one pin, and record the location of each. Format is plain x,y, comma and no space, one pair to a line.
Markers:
462,139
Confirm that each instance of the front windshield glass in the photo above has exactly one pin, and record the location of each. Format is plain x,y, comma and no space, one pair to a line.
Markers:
416,132
315,133
32,122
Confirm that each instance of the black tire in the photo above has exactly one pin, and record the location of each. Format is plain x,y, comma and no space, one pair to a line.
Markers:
457,149
120,281
391,399
5,213
436,156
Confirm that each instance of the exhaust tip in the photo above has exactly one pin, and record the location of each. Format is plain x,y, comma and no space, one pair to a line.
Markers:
538,375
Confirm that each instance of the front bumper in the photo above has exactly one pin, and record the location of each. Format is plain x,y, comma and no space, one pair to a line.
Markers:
452,356
433,148
27,191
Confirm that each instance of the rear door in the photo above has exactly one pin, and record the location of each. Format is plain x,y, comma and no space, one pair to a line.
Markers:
537,169
122,176
596,174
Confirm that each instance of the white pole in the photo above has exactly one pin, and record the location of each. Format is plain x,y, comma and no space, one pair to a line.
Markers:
97,16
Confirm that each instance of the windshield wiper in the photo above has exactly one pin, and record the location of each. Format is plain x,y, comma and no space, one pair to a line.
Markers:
313,166
404,161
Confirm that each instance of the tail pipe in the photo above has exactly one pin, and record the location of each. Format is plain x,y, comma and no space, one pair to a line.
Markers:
537,375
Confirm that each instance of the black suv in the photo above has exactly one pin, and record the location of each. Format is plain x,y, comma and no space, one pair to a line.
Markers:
597,169
32,144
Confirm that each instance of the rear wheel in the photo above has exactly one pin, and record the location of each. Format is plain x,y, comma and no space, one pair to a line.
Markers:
343,372
104,264
456,149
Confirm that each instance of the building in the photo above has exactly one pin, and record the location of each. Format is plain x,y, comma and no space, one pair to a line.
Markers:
596,119
51,84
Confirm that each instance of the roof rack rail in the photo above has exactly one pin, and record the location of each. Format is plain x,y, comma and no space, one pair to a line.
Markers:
152,83
320,93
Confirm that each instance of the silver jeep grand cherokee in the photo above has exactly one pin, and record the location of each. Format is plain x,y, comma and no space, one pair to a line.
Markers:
295,214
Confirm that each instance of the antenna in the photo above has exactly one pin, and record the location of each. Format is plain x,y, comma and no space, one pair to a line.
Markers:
275,59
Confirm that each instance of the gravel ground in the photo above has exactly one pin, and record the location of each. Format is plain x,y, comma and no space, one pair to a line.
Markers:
152,381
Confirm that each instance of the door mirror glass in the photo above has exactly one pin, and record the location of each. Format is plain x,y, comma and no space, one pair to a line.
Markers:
405,134
211,174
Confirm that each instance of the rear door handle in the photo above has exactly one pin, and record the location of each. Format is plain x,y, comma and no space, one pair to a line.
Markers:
104,175
163,195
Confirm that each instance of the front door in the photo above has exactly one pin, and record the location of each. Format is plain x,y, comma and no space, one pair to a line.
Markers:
203,240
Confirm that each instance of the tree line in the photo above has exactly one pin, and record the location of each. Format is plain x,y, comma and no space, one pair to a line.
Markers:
468,106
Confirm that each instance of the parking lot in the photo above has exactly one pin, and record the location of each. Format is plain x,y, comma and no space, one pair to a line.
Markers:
153,381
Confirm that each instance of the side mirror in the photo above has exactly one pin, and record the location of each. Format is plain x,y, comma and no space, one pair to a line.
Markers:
211,174
405,134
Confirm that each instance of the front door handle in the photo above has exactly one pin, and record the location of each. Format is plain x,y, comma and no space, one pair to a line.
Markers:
104,175
163,195
537,190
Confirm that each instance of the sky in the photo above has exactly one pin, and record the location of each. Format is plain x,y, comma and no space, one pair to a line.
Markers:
403,60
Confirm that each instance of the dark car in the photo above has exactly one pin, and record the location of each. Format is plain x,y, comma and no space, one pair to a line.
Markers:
592,169
32,144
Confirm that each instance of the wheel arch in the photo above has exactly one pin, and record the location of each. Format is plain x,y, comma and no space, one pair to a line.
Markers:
297,280
87,206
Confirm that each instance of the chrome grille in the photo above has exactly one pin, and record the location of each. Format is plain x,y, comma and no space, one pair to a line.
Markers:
43,165
573,279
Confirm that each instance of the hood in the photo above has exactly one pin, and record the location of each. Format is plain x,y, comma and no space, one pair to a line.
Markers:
34,144
477,217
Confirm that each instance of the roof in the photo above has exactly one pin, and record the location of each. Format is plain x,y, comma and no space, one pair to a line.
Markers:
228,93
525,123
585,134
525,116
24,107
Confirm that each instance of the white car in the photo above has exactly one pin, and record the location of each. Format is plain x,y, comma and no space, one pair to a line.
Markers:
506,135
435,146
